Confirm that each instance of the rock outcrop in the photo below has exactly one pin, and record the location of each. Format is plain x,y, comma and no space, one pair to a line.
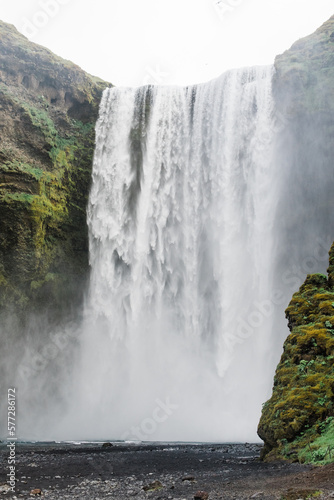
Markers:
298,421
48,110
304,80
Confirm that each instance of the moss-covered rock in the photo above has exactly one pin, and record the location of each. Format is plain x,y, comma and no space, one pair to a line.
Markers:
48,110
301,408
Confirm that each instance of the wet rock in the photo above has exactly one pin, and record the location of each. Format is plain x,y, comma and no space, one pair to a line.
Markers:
156,485
36,492
4,488
201,495
107,445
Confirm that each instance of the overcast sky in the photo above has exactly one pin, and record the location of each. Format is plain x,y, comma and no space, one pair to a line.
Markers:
134,42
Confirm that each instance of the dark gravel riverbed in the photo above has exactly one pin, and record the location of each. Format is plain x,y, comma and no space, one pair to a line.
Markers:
157,471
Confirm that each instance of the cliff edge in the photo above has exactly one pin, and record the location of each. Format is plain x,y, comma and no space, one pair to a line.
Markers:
48,111
297,422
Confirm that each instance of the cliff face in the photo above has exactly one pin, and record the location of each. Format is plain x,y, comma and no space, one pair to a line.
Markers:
303,89
48,110
298,421
304,81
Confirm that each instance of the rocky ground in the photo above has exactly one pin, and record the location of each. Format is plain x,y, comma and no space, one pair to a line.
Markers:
175,472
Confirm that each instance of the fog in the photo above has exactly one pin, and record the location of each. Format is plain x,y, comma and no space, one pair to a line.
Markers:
207,210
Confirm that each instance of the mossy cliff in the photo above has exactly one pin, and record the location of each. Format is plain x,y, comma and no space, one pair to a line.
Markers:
298,421
304,80
48,110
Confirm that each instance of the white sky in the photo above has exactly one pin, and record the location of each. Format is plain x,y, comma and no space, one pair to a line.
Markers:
134,42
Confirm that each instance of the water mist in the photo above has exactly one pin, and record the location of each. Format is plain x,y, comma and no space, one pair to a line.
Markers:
180,304
192,252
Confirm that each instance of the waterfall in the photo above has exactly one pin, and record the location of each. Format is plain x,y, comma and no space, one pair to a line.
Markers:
179,316
208,208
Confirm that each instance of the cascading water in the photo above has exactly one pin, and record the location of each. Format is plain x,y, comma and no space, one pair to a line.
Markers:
207,209
180,309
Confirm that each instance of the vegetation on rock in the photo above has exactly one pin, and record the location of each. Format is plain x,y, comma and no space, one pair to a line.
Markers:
48,110
307,70
298,421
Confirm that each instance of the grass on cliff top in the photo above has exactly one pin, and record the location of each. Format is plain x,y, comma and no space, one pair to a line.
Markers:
307,69
11,37
29,52
317,48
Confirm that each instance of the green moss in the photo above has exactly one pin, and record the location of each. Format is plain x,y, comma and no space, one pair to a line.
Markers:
315,448
46,152
40,119
331,267
17,166
45,169
303,394
24,198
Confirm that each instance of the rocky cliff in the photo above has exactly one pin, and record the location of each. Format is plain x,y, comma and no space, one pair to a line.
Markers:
304,80
298,421
48,110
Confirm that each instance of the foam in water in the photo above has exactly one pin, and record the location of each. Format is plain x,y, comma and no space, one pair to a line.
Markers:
179,313
208,208
206,212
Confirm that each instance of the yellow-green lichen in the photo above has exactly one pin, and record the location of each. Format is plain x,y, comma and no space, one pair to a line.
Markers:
303,393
